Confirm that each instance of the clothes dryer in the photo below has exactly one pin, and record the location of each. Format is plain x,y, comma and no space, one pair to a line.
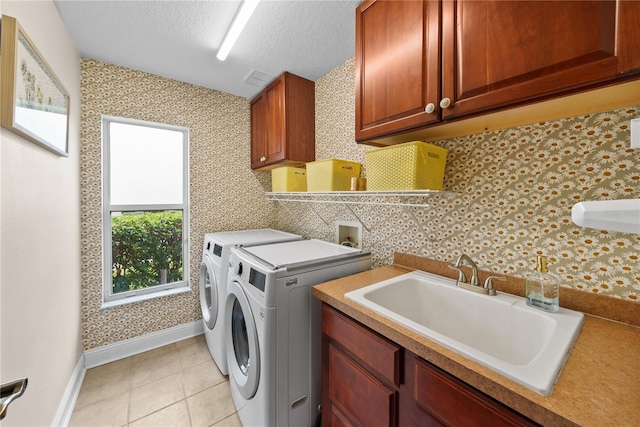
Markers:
273,327
213,281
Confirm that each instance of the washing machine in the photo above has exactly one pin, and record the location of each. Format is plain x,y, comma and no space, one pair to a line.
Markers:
213,281
273,327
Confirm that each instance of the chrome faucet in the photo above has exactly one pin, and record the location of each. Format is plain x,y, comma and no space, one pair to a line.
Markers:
474,283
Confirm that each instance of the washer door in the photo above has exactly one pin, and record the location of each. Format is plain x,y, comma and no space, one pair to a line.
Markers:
208,292
241,339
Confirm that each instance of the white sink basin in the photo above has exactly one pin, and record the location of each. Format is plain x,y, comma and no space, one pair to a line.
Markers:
500,332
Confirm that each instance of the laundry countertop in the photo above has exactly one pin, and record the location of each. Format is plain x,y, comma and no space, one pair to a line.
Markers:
598,386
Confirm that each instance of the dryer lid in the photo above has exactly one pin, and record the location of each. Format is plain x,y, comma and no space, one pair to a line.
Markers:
301,253
251,237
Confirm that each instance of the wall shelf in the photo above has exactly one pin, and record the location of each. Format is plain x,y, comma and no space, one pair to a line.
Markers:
393,198
408,198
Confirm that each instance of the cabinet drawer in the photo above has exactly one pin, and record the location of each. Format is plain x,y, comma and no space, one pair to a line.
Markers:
455,403
358,394
376,352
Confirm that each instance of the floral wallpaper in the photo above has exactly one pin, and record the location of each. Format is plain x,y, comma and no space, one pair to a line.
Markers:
224,193
508,196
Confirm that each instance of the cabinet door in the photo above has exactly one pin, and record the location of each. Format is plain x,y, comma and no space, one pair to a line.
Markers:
397,67
357,397
276,130
258,131
445,398
497,53
268,134
380,355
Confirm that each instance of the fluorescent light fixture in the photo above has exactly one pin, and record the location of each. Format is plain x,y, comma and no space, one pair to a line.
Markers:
239,21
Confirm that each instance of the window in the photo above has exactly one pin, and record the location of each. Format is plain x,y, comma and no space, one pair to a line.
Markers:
145,208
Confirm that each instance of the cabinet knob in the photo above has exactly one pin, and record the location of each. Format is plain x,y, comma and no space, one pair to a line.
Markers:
263,159
430,108
445,103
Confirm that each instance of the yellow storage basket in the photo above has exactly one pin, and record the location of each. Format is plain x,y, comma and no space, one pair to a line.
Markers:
287,179
410,166
331,175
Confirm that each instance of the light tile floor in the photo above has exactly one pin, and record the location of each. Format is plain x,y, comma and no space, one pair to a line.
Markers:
175,385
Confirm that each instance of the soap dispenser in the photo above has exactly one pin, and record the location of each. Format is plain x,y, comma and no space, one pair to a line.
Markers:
542,287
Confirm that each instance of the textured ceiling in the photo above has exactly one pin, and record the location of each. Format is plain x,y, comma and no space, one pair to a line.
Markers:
180,39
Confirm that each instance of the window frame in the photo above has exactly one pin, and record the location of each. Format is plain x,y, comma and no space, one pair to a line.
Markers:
108,297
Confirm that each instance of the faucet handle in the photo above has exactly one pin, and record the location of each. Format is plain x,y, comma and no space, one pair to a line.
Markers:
462,278
488,283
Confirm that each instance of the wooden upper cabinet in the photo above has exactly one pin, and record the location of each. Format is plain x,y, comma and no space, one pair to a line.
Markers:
497,53
283,123
483,56
397,67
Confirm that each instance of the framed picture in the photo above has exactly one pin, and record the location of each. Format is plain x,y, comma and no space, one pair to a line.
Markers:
34,103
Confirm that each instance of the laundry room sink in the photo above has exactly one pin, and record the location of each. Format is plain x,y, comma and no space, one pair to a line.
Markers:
500,332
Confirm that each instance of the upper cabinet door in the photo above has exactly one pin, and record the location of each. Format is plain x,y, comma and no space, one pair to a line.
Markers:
268,131
397,67
258,130
275,146
497,53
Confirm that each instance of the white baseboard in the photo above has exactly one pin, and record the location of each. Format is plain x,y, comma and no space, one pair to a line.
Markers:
63,415
120,350
112,352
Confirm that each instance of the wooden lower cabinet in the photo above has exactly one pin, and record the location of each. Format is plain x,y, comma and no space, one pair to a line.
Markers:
360,376
442,397
357,395
368,380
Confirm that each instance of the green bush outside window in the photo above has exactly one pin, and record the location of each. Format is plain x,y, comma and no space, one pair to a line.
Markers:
147,249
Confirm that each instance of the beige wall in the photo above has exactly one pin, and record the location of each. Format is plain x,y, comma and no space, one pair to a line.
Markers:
225,193
512,196
40,332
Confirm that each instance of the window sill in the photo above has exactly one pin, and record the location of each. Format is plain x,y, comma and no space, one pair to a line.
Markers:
144,297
